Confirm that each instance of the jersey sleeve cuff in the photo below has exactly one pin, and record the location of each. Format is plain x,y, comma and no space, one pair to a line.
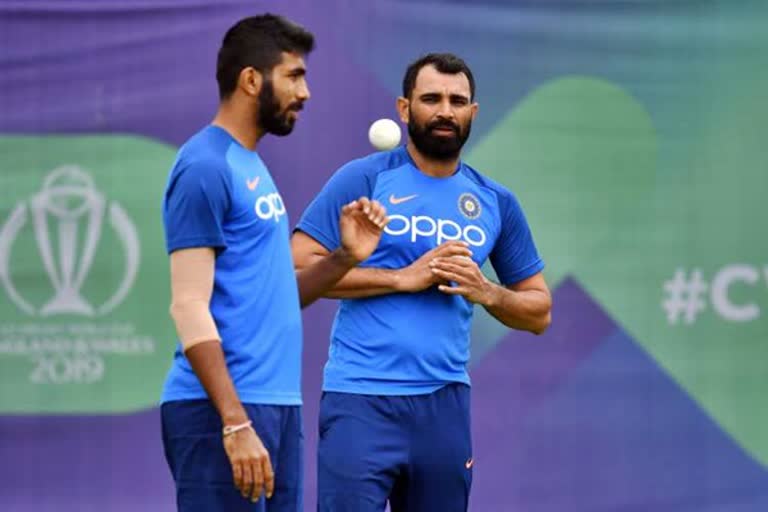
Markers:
531,270
318,235
193,242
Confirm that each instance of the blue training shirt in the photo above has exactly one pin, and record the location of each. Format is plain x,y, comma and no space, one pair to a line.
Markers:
221,195
413,343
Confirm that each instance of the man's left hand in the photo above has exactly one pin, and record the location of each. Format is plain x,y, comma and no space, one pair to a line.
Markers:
467,276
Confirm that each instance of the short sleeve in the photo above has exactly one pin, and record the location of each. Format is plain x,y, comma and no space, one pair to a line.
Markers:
195,206
514,256
321,218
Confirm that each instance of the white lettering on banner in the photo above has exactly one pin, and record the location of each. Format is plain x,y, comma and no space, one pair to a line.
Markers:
84,368
443,230
686,293
721,300
270,207
71,353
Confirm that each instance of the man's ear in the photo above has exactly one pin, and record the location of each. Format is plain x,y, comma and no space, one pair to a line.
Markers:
403,106
250,81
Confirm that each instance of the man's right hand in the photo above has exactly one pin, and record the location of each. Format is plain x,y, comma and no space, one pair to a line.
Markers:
251,467
361,224
418,275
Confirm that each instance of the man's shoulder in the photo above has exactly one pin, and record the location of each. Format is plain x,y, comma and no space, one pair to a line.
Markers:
501,191
375,163
201,154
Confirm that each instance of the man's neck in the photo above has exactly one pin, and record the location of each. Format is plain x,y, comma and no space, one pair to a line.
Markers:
239,124
430,166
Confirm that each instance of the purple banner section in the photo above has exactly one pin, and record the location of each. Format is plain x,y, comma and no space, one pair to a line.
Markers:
84,464
518,375
583,420
148,68
533,367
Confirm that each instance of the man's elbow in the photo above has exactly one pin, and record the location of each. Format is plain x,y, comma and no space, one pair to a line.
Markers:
542,324
303,260
544,318
300,263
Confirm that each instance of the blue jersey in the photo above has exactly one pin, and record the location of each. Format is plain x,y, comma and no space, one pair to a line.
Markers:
221,195
413,343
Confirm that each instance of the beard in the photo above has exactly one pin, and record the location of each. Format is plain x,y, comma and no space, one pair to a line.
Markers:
271,118
438,147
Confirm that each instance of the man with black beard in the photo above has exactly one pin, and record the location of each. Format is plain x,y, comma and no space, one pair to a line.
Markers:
394,416
231,415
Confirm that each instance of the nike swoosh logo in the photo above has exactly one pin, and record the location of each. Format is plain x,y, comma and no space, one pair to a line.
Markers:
469,463
252,184
398,200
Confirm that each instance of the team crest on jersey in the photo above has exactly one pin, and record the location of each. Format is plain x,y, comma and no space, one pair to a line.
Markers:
469,206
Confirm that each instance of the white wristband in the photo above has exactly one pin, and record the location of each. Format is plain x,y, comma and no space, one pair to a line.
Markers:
228,430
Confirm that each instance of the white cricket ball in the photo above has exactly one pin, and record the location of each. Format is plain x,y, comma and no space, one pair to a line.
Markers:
384,134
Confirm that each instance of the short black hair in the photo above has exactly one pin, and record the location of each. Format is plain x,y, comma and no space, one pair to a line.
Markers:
258,42
445,63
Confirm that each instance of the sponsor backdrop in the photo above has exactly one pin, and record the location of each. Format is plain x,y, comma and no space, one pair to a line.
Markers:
632,132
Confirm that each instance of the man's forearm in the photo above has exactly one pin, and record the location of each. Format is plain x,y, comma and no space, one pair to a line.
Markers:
365,282
527,310
323,276
358,282
207,360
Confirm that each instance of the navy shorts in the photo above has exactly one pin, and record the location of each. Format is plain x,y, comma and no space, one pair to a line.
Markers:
200,467
413,451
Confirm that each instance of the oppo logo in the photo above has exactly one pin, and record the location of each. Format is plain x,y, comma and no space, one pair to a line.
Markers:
443,230
270,207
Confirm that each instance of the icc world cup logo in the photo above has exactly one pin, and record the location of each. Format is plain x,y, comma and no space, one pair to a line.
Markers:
68,216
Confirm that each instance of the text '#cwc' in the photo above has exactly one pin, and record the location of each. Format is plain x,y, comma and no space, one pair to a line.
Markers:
734,293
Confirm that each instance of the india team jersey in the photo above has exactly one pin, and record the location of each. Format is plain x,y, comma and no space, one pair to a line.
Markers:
221,195
412,343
